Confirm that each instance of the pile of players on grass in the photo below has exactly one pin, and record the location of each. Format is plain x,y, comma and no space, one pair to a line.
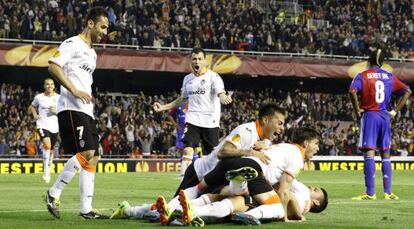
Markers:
245,180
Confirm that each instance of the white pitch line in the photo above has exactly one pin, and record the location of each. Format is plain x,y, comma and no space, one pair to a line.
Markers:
345,182
356,202
44,210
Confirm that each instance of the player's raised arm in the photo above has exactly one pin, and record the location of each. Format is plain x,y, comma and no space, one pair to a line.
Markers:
158,107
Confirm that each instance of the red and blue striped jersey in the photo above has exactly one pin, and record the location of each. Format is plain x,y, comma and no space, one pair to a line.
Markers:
376,87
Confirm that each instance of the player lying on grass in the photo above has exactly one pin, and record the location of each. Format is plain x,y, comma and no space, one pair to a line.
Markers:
212,208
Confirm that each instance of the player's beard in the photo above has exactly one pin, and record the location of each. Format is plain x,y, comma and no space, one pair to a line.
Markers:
96,38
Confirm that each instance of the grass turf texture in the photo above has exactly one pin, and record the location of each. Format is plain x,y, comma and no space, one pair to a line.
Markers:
21,205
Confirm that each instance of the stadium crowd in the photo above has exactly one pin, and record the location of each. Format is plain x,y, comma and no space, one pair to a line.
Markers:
349,27
129,128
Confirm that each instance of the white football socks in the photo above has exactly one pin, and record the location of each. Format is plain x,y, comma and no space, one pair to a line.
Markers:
86,186
69,171
218,209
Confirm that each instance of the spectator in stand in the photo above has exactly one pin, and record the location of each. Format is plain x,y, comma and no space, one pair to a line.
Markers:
4,148
314,109
344,27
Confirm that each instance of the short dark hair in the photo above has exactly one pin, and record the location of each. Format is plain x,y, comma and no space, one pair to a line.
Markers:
322,204
270,109
48,79
376,58
197,50
300,135
95,13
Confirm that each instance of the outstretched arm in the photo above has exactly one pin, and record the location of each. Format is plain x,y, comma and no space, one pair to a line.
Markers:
158,107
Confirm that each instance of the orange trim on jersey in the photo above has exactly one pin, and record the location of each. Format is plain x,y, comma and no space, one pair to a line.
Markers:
275,199
302,150
259,129
84,163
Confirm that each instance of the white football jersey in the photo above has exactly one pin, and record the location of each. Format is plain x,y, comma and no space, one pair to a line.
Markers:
302,195
78,62
203,102
284,157
243,137
47,120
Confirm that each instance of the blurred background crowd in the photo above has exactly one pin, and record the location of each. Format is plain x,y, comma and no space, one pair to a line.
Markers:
349,27
129,128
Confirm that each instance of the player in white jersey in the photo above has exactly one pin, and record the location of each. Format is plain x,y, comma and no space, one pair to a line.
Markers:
46,122
286,162
72,66
204,91
245,140
213,208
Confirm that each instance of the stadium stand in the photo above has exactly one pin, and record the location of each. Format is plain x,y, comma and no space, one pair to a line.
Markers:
128,126
308,27
305,26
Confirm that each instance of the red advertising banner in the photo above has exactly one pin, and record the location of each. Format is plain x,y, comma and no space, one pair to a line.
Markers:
145,60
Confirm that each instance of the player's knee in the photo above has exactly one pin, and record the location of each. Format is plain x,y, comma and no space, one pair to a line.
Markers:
89,154
87,161
188,151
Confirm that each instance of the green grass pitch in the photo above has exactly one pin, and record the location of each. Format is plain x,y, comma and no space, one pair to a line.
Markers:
21,205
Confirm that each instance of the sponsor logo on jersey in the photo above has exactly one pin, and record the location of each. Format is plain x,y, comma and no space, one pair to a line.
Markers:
199,91
86,68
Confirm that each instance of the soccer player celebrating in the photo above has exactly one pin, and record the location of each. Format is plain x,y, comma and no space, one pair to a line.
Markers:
245,140
46,122
375,86
72,66
204,91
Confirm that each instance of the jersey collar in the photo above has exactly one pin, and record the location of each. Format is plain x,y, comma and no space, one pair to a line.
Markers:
301,149
84,40
259,129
